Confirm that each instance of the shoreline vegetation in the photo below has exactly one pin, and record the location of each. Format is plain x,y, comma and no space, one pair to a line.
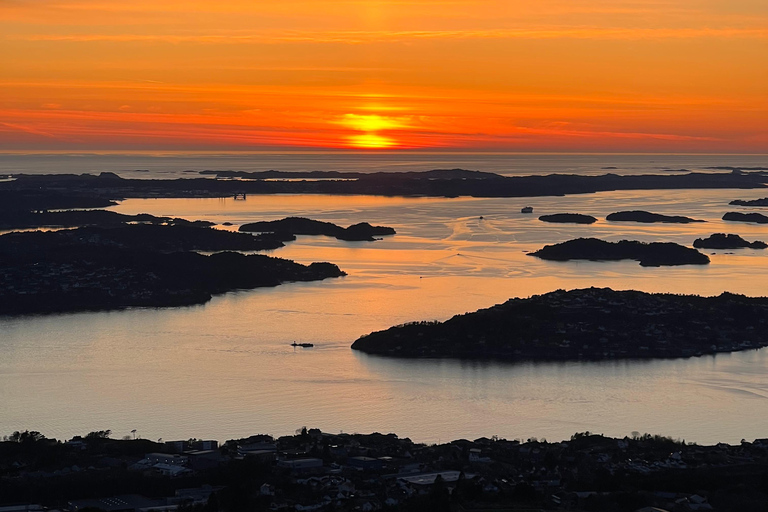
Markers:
582,325
315,470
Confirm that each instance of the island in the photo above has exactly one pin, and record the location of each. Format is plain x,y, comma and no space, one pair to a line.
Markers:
723,241
574,218
750,202
758,218
647,254
584,324
95,268
648,217
303,226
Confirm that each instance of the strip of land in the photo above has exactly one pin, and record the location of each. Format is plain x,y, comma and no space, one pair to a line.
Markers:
98,268
585,324
45,192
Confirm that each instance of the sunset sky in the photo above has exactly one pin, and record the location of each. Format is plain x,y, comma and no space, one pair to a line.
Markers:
543,75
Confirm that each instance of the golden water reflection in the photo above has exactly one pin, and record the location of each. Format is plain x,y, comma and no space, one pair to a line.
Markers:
226,369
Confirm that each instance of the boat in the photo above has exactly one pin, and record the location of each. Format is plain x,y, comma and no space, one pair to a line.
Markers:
304,345
527,209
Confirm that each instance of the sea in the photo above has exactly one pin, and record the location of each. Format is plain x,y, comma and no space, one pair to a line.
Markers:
226,369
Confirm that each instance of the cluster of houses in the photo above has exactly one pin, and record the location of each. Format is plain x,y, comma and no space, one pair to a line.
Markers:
316,471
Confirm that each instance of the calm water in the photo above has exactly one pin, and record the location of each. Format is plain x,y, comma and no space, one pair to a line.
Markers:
167,165
226,370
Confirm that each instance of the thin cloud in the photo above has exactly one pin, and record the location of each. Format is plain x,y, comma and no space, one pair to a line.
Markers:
367,37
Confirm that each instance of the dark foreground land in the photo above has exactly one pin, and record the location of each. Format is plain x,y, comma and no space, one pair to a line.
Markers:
653,254
103,268
351,472
586,324
46,192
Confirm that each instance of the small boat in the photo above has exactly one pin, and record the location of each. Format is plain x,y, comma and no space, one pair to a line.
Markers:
304,345
527,209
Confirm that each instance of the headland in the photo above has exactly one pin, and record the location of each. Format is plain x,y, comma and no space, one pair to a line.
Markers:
584,324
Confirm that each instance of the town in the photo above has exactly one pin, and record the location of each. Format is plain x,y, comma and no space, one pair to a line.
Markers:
319,471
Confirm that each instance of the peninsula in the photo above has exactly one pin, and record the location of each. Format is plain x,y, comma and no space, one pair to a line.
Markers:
95,268
648,217
654,254
585,324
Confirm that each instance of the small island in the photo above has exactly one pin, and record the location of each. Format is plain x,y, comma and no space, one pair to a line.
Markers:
572,218
654,254
94,268
758,218
648,217
585,324
723,241
303,226
750,202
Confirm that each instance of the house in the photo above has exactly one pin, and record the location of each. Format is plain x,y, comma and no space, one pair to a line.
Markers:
366,463
124,503
300,465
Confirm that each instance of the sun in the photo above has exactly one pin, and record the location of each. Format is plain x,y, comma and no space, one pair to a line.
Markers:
371,126
371,141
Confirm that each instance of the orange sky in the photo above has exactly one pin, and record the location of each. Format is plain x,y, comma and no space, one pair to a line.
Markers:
543,75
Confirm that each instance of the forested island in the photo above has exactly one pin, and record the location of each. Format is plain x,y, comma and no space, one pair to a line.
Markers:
103,268
584,324
648,217
653,254
750,202
757,218
730,241
303,226
568,218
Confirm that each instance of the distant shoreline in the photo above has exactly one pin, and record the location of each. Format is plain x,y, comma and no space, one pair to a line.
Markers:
449,183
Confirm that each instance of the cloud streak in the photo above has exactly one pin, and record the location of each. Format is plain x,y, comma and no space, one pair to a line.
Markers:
372,37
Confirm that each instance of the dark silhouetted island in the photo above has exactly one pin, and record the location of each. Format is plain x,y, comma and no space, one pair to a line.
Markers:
648,217
647,254
723,241
574,218
43,191
586,324
750,202
303,226
96,268
758,218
